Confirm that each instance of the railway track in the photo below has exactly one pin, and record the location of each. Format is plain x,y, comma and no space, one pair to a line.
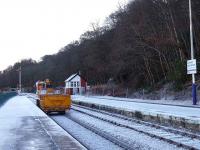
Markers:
176,137
105,135
182,139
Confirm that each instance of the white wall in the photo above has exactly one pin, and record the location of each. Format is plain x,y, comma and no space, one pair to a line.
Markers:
75,79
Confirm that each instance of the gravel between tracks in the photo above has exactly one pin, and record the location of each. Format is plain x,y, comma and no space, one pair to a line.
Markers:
137,140
86,137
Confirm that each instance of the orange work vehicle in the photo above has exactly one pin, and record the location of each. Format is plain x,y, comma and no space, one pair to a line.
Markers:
50,99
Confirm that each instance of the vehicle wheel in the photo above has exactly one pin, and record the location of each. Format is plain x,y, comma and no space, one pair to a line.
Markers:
38,103
62,112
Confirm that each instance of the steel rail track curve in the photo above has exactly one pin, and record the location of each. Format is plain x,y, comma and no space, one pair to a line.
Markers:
103,134
165,130
176,131
69,133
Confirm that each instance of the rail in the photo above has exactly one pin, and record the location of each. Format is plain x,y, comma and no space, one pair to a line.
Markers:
179,138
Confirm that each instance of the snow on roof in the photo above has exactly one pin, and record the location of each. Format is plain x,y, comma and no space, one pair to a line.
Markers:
71,77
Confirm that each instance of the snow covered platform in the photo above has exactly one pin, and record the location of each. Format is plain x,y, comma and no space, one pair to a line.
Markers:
24,126
187,117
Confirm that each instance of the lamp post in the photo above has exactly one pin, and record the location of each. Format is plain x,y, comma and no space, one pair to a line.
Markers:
20,79
194,97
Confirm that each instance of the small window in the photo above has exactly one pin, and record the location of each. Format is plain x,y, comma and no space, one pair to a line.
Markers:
74,84
78,84
71,84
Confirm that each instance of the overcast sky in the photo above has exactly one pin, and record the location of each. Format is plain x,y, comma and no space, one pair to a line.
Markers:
33,28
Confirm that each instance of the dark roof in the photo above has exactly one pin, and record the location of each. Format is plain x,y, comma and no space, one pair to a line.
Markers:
73,76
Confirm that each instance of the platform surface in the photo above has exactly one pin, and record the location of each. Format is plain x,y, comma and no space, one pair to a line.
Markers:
23,126
192,113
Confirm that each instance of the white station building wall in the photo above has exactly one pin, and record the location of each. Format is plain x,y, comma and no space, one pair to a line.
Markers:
74,83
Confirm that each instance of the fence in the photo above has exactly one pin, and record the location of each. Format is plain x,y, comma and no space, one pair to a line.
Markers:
108,91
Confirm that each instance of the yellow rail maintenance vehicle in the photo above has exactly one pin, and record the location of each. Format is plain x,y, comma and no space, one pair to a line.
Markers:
52,100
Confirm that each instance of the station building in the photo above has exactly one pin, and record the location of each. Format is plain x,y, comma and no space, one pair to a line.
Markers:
75,84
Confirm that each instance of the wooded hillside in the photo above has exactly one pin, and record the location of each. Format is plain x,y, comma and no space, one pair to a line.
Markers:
140,45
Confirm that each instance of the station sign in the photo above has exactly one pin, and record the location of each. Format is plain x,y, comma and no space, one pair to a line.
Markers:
191,66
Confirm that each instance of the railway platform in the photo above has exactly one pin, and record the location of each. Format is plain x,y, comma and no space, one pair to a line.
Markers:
25,127
180,116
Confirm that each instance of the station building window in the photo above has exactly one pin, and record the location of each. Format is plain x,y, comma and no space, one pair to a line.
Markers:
78,84
71,84
74,84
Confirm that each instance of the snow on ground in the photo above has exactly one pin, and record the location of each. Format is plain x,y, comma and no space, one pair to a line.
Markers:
161,101
31,96
91,140
24,126
147,128
136,140
146,108
20,106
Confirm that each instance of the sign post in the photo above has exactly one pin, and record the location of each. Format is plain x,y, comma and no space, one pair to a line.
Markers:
194,96
192,69
191,66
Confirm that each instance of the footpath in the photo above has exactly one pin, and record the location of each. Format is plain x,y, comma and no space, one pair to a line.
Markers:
25,127
179,116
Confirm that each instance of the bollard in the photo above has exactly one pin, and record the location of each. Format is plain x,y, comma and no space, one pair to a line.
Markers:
194,94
